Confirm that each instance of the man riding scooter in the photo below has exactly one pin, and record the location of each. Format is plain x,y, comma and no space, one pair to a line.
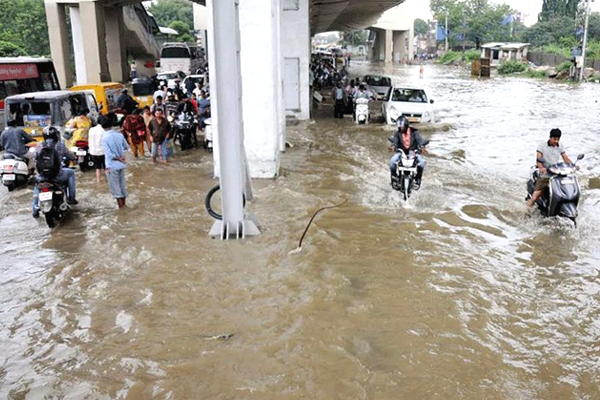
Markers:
407,139
16,141
64,177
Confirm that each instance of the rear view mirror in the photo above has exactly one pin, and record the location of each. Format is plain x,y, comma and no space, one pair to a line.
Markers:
431,101
579,157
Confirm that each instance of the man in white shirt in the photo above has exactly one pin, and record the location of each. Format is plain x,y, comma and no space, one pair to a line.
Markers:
96,150
548,153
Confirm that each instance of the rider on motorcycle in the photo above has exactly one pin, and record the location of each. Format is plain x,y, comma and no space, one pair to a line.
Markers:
407,139
548,153
16,141
66,176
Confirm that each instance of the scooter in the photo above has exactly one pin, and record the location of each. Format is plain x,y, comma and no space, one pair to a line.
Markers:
362,111
53,202
208,135
185,131
14,171
562,196
406,172
84,158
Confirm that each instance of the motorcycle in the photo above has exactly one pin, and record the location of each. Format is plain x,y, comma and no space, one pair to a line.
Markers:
406,172
84,158
208,135
562,196
362,111
14,171
185,131
53,202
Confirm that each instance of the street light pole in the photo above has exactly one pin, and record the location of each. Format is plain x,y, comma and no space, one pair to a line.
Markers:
585,34
446,29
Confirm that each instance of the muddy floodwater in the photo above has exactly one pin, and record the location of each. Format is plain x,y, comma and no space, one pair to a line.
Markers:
455,294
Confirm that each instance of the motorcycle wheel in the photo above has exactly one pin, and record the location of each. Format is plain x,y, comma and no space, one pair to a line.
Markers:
406,188
10,187
50,219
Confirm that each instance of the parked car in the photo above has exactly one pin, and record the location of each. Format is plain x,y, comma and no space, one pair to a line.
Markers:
412,102
172,78
196,78
143,90
379,84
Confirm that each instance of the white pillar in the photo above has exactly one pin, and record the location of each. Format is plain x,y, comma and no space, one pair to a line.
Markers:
94,38
260,63
296,51
226,93
389,34
59,44
78,47
115,46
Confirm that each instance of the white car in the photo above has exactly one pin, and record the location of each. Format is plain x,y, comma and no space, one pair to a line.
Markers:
412,102
171,78
196,78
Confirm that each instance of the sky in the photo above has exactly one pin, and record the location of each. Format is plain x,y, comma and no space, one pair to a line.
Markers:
531,8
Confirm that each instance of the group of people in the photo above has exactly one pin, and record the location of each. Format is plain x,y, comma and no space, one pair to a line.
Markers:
344,98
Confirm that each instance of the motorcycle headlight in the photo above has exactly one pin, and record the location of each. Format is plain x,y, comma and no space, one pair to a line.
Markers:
170,118
74,149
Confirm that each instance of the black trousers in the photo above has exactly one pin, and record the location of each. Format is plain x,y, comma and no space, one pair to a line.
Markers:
338,109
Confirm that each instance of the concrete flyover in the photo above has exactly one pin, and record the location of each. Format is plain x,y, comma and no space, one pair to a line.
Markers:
103,34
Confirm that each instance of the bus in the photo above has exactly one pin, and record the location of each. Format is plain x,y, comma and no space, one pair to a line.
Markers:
184,57
20,75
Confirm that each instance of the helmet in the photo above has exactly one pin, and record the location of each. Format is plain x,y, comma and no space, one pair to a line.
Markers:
51,132
402,124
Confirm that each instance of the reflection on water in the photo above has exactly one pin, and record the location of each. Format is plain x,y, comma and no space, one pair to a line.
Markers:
455,294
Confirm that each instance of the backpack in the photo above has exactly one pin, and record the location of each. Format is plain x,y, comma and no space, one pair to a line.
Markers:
48,161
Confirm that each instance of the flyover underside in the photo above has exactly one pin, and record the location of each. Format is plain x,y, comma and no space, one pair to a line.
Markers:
336,15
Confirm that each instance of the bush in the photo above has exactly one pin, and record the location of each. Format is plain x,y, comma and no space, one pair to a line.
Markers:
511,67
450,57
530,73
8,49
566,66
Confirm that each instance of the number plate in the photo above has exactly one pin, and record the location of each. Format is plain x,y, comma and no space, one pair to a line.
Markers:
567,182
414,119
45,196
405,169
81,152
8,177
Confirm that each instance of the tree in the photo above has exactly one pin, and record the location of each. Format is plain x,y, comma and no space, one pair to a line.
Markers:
167,11
421,27
8,49
23,24
558,8
477,21
354,38
549,32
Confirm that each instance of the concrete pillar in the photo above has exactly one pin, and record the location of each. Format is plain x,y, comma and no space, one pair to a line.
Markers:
296,52
59,43
115,46
78,47
225,74
94,36
200,23
398,46
260,62
389,35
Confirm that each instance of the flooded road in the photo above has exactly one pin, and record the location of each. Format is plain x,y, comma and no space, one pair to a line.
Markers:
456,294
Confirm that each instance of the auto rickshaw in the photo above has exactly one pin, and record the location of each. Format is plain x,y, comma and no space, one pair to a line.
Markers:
34,111
143,91
106,95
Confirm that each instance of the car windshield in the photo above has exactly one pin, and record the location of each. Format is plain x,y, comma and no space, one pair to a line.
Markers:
411,95
143,89
168,76
378,81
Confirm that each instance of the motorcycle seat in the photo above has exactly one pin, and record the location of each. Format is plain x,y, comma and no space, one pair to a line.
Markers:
10,156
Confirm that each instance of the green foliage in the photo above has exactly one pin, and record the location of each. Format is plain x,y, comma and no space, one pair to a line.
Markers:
167,11
530,73
593,50
564,66
471,55
554,8
421,27
549,32
478,21
23,24
558,50
354,38
511,67
8,49
450,57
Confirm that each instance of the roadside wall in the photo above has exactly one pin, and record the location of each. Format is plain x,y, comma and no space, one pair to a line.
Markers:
540,58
